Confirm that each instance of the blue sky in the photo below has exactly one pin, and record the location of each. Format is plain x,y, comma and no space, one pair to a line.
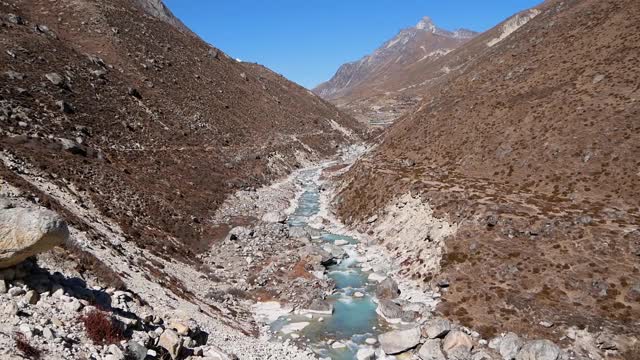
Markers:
307,40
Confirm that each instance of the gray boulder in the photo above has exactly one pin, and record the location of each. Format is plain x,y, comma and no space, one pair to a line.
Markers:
539,350
398,341
390,309
318,255
431,350
319,306
436,328
387,289
299,232
509,346
28,232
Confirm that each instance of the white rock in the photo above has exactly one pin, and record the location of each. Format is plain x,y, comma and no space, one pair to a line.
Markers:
376,277
292,327
366,354
398,341
338,345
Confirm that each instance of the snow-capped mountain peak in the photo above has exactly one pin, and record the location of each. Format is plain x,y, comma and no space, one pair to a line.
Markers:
426,24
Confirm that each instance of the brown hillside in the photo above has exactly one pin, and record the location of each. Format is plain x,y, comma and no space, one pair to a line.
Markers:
157,125
533,149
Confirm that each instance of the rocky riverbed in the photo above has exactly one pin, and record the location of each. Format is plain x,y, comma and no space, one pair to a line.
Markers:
283,279
344,301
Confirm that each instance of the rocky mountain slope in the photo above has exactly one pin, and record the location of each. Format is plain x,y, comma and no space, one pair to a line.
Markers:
390,68
135,131
514,184
150,122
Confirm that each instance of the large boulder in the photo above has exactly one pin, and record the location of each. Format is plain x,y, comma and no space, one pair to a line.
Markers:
387,289
398,341
27,232
436,328
319,306
539,350
431,350
456,341
509,346
317,254
389,309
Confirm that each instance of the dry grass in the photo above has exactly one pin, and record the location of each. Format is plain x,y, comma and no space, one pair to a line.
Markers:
101,328
26,349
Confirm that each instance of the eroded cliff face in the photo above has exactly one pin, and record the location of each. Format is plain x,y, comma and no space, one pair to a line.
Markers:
529,150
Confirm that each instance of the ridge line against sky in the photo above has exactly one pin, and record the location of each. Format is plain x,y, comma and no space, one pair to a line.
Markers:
307,40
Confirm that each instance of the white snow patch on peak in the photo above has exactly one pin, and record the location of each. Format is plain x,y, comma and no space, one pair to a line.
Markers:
514,24
426,24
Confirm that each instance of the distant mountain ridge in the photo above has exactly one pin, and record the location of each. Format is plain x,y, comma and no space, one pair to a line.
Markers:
411,44
376,73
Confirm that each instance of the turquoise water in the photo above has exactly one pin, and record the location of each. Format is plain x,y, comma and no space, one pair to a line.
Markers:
333,237
354,319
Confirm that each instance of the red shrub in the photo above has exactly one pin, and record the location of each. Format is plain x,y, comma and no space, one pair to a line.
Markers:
102,328
23,346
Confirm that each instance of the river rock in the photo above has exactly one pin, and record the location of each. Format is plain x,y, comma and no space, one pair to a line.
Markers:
318,255
431,350
293,327
508,346
387,289
335,251
457,339
376,277
299,232
366,354
28,232
436,328
319,306
170,341
539,350
390,309
397,341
